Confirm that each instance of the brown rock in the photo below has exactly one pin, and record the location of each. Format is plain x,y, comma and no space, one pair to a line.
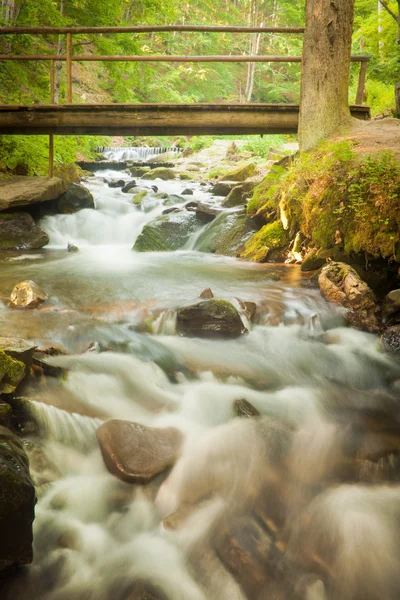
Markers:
144,590
19,231
23,191
207,293
135,453
243,408
239,194
222,188
211,318
27,294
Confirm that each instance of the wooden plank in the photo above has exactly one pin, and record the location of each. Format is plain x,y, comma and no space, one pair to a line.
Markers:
148,29
69,68
361,83
154,119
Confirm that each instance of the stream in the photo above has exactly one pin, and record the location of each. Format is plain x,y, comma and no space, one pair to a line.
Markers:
307,476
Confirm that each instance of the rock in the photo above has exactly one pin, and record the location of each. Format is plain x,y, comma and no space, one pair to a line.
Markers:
144,590
249,308
187,192
27,294
135,453
391,307
77,197
173,199
209,319
15,357
313,261
222,188
185,176
390,340
172,209
120,183
241,173
127,188
239,194
17,499
270,244
164,157
23,191
19,231
191,205
18,348
163,173
72,248
207,212
188,151
5,414
39,360
341,284
207,293
231,152
161,195
138,197
154,188
243,408
227,234
139,171
167,232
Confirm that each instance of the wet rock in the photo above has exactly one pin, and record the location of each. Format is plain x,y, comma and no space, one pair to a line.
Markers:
15,357
19,231
77,197
161,195
187,192
167,232
243,408
341,284
185,176
24,191
241,173
39,360
174,199
5,414
249,309
207,212
391,307
172,209
127,188
163,173
227,234
120,183
222,188
144,590
135,453
239,194
207,294
139,171
154,188
17,499
191,205
209,319
27,294
72,248
390,340
138,197
313,260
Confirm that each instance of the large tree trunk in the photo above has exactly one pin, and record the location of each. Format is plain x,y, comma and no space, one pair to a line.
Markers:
59,65
324,105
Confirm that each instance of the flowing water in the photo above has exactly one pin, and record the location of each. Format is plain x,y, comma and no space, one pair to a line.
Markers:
302,502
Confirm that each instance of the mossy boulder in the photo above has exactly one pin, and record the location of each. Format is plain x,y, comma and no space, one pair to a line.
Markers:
223,188
163,173
139,171
241,173
186,176
167,232
19,231
227,234
17,503
210,319
75,198
314,259
239,194
12,372
264,202
270,243
138,197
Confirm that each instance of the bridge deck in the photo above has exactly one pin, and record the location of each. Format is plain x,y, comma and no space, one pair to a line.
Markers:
154,119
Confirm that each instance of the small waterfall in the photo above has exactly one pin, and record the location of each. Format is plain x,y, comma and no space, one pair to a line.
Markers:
71,429
135,153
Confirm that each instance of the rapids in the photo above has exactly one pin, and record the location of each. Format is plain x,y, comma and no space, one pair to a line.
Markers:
334,521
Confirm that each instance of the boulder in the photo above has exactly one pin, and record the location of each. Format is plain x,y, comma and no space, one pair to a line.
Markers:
222,188
24,191
5,414
76,197
207,293
313,260
173,199
135,453
226,235
19,231
17,501
341,284
15,359
239,194
207,212
139,171
163,157
27,294
138,197
210,319
243,408
167,232
163,173
119,183
391,307
390,340
187,192
185,176
127,188
241,173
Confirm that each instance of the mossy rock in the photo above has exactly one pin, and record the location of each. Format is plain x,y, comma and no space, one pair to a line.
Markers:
210,319
12,372
313,260
19,231
139,171
241,173
268,240
163,173
226,235
167,232
138,197
239,194
265,200
186,176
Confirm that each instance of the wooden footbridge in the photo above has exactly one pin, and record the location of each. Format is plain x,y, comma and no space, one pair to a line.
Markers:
153,119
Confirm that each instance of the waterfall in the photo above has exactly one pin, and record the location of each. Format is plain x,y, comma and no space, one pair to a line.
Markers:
135,153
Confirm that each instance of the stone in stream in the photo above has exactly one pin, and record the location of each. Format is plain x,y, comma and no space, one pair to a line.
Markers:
227,234
167,232
222,188
16,357
24,191
19,231
391,307
27,294
72,248
206,294
239,194
341,284
187,192
128,187
210,319
17,501
120,183
241,173
75,198
207,212
390,340
5,414
243,408
163,173
135,453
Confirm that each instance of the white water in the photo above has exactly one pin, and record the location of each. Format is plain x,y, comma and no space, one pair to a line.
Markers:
137,153
96,537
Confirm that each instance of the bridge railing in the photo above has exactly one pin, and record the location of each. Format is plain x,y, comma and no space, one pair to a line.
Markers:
69,57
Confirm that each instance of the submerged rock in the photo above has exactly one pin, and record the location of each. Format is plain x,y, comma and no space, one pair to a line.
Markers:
117,184
163,173
19,231
167,232
135,453
24,191
27,294
341,284
391,340
72,248
17,501
187,192
77,197
211,318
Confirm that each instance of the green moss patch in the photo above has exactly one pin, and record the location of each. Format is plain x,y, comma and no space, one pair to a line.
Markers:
270,237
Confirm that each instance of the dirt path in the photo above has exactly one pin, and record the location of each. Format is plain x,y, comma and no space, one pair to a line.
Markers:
375,135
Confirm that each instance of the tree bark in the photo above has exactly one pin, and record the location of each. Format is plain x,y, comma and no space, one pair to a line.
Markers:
59,65
324,105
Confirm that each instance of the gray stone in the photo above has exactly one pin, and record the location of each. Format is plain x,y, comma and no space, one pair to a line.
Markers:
24,191
210,319
167,232
77,197
19,231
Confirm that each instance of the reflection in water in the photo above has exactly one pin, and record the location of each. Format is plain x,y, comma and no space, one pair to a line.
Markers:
300,503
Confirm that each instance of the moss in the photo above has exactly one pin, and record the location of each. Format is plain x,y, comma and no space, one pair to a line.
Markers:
241,173
160,173
185,176
270,237
12,371
138,197
264,199
218,172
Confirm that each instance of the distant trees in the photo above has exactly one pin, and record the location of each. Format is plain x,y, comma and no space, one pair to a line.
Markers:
396,17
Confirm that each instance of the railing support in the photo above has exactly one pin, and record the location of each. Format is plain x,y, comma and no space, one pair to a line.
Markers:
51,155
69,68
361,83
52,82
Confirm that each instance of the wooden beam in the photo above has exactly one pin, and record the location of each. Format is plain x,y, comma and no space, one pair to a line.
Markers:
52,81
148,29
361,83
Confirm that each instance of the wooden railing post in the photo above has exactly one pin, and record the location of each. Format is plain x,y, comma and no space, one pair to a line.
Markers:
51,155
361,83
52,81
69,68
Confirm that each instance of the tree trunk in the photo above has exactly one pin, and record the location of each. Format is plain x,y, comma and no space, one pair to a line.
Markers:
324,104
59,65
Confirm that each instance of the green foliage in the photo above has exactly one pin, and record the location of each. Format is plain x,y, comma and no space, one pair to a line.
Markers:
270,237
261,145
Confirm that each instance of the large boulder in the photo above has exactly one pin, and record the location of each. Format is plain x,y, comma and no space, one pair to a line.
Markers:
239,194
167,232
27,294
390,340
341,284
210,319
163,173
16,357
19,231
241,173
164,157
75,198
226,235
223,188
135,453
17,503
24,191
